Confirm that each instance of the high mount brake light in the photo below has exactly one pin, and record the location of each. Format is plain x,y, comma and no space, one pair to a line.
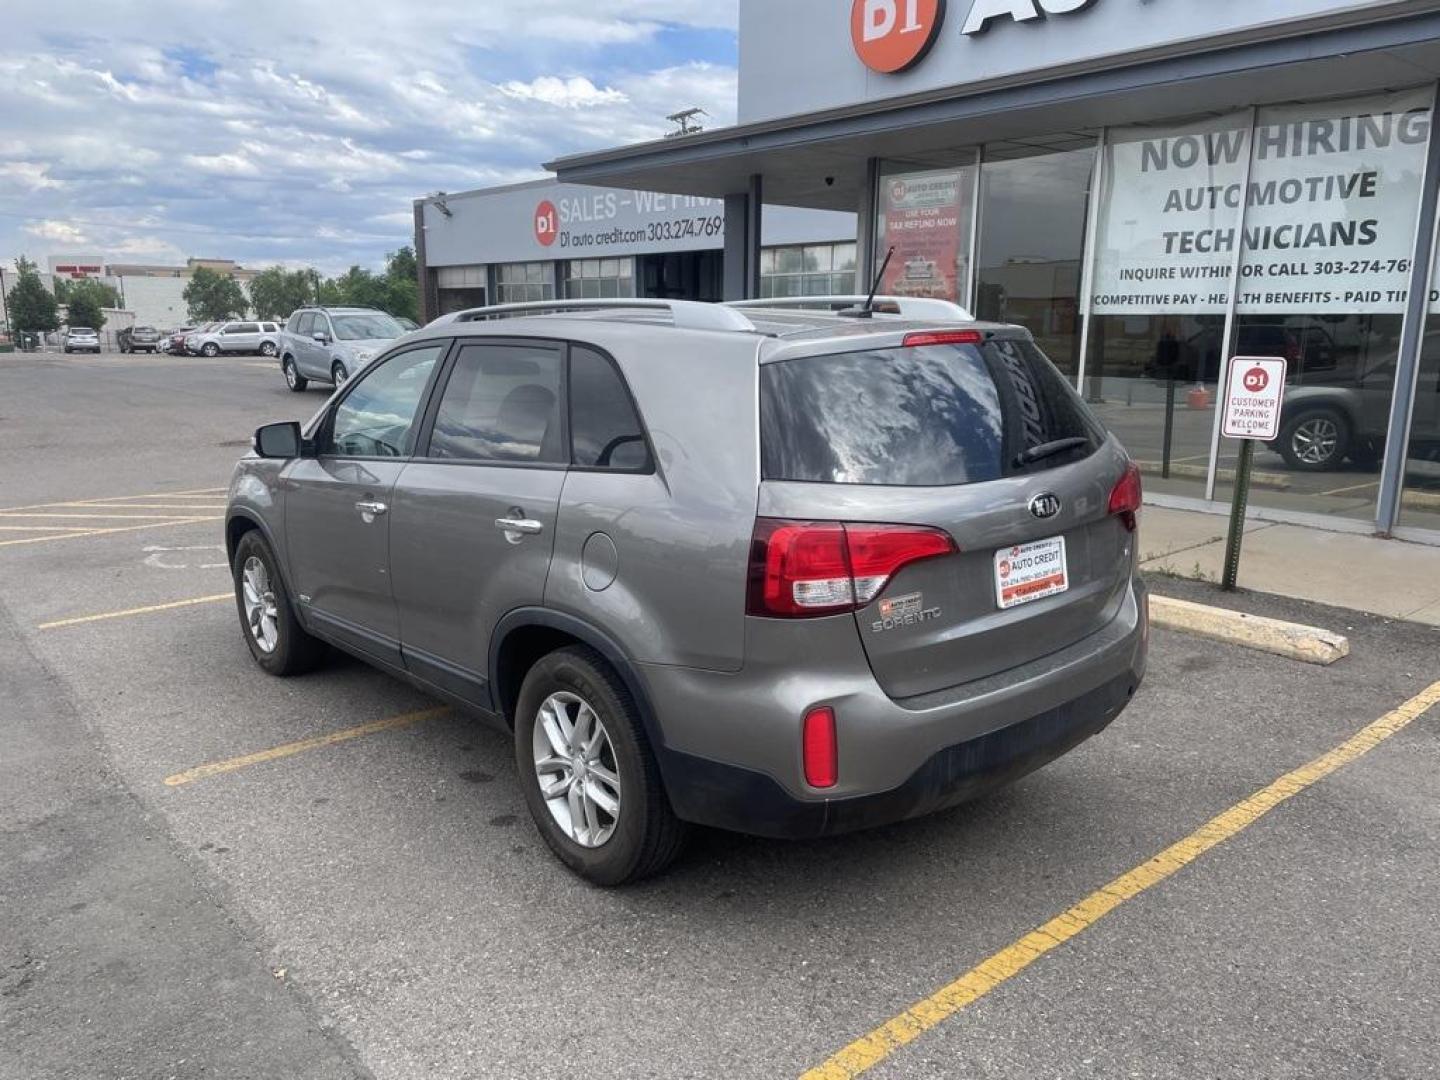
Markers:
803,569
1127,495
943,337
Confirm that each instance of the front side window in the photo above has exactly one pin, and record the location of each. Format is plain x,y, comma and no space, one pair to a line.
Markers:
502,403
306,325
377,417
605,433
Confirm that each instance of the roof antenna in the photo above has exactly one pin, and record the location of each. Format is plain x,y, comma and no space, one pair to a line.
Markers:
868,309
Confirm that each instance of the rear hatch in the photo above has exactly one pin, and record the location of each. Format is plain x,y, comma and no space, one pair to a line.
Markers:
968,461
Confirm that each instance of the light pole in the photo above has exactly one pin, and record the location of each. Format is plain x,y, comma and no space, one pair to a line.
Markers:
5,304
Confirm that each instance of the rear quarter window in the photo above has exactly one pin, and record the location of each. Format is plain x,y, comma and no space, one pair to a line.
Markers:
937,415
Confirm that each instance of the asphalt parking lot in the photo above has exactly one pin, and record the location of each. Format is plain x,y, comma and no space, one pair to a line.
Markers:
205,871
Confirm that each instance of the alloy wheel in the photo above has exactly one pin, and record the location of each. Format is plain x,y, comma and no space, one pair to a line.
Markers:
575,766
290,374
1314,441
338,374
262,615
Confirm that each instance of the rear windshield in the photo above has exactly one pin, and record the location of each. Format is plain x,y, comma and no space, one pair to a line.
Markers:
932,416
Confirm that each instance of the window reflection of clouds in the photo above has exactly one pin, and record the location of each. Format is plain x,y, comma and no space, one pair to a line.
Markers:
381,409
912,417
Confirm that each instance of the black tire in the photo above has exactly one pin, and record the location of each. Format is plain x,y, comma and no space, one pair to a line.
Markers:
1315,440
210,349
647,835
295,651
338,374
293,378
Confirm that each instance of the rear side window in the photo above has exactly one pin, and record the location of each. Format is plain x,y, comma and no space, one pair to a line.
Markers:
502,403
605,432
937,415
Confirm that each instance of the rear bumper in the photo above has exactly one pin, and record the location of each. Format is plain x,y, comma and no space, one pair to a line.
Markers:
898,760
730,797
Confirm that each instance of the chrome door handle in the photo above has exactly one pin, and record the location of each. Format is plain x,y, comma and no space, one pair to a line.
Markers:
371,508
527,526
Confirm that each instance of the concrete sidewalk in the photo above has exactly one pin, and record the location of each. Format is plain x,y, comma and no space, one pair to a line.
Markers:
1384,577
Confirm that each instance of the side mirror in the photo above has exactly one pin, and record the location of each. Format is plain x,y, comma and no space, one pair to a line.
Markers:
281,441
322,337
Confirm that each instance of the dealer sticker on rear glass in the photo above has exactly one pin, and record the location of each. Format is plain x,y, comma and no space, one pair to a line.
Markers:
1030,571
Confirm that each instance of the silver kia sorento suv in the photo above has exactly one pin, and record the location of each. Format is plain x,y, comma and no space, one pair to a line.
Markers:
785,572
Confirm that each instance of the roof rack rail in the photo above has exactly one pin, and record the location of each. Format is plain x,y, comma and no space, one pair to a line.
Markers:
915,307
687,314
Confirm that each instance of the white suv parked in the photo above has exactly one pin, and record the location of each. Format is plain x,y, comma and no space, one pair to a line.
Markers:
333,343
237,337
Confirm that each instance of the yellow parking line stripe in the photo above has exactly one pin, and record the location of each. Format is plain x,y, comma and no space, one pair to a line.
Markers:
102,517
135,611
1352,487
870,1050
108,532
143,506
275,753
45,528
121,498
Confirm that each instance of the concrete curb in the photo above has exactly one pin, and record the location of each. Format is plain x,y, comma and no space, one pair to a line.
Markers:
1258,477
1309,644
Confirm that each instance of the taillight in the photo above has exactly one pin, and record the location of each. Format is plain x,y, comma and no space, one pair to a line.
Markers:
802,569
819,748
943,337
1125,499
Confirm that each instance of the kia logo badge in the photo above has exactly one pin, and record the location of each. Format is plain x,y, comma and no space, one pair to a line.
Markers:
1045,506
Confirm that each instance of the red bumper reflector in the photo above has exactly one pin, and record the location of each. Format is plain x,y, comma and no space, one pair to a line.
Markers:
822,755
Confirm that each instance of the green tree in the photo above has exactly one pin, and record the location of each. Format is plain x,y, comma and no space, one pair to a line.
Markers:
358,287
83,310
33,309
85,298
402,284
103,295
276,292
211,297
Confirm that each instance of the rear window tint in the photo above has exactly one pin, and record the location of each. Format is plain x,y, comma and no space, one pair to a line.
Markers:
934,416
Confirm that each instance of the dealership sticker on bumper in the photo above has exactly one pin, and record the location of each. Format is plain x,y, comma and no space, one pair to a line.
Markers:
1030,571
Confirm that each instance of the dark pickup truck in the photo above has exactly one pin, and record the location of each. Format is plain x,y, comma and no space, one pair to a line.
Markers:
139,339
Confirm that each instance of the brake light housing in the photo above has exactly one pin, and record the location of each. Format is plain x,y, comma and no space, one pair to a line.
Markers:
923,338
806,569
1126,496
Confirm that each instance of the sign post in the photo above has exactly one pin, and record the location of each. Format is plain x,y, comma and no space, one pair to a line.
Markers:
1254,391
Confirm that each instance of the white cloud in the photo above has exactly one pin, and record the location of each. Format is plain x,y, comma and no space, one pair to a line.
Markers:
572,93
202,128
61,232
27,175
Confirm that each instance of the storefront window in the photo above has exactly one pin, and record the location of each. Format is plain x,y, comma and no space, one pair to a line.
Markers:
1169,219
808,270
1033,209
1420,498
926,213
525,282
590,279
1325,271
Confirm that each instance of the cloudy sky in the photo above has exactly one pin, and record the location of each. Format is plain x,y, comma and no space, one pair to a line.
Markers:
299,132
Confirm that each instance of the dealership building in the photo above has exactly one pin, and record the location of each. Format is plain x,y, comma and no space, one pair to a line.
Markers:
548,241
1150,186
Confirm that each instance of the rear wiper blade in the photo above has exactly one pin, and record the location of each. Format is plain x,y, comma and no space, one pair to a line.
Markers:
1049,449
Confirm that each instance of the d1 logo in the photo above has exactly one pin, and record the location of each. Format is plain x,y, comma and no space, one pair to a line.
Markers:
1256,380
547,223
891,36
